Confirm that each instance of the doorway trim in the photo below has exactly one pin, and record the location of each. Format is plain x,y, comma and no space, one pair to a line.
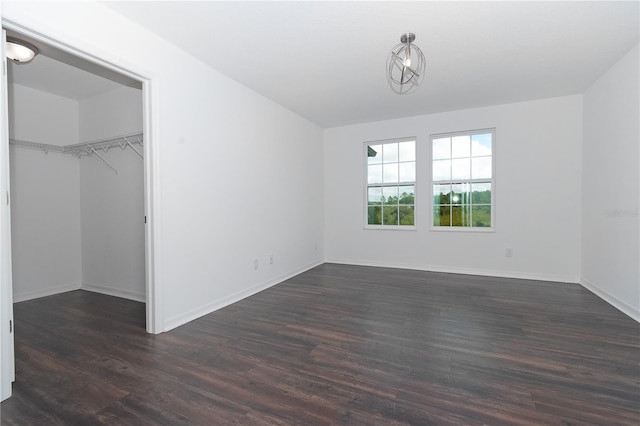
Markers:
153,289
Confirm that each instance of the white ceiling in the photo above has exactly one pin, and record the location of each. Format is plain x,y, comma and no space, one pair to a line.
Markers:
326,60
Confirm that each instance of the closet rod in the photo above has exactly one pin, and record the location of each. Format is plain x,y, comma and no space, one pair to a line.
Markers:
85,148
105,144
37,146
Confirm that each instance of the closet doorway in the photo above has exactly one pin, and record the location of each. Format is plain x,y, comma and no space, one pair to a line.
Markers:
77,162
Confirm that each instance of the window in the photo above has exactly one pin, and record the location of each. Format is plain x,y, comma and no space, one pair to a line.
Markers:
390,190
463,180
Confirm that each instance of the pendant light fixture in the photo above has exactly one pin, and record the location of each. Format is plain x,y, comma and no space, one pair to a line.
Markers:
20,51
405,65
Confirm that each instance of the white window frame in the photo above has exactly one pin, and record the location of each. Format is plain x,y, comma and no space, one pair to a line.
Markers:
450,228
366,185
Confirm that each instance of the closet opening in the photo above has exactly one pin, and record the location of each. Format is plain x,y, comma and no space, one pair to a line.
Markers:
78,167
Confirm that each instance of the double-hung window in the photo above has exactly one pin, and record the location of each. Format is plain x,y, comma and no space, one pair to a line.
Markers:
463,180
391,183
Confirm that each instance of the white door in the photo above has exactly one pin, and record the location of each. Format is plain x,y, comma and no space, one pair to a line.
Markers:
7,367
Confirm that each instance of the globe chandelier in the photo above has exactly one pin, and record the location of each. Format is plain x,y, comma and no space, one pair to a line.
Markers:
405,65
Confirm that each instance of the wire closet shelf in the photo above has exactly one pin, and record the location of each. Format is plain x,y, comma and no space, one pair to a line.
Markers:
87,149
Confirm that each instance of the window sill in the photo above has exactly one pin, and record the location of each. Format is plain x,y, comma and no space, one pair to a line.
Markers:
389,228
462,229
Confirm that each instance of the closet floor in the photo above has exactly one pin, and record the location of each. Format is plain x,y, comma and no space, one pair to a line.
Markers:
335,345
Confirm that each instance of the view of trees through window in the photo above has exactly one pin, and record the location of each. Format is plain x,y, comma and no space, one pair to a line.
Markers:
462,179
452,205
391,173
461,176
391,205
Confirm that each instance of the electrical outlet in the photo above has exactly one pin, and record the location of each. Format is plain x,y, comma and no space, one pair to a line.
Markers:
316,246
270,259
508,252
255,263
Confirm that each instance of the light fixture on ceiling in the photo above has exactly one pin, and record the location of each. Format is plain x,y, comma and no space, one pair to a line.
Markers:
405,65
20,51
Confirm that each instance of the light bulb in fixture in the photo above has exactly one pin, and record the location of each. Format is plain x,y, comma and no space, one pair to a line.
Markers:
20,51
407,58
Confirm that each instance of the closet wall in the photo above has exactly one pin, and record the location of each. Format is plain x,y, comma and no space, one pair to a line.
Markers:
45,193
75,223
112,206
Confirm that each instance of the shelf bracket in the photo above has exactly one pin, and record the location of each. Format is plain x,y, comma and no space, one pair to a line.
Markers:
132,147
102,158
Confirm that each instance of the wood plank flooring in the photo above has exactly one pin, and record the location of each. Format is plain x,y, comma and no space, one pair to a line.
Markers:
335,345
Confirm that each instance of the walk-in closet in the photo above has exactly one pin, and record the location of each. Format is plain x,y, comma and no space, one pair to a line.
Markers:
77,178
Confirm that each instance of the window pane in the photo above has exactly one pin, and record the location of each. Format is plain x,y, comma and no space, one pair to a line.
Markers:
441,148
481,193
375,215
481,216
462,173
407,172
391,176
407,194
461,168
374,195
441,216
390,153
460,146
390,195
461,215
441,194
374,173
481,145
406,215
390,173
390,215
374,154
442,170
407,151
460,193
481,168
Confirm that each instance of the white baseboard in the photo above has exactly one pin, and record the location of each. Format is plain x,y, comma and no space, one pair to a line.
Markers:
193,314
620,305
466,271
110,291
44,292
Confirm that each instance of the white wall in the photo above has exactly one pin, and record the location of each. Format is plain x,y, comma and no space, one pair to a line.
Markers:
237,177
45,208
537,194
242,179
611,186
112,206
112,217
42,117
114,113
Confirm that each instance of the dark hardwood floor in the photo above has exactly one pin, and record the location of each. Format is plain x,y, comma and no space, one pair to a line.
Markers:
335,345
